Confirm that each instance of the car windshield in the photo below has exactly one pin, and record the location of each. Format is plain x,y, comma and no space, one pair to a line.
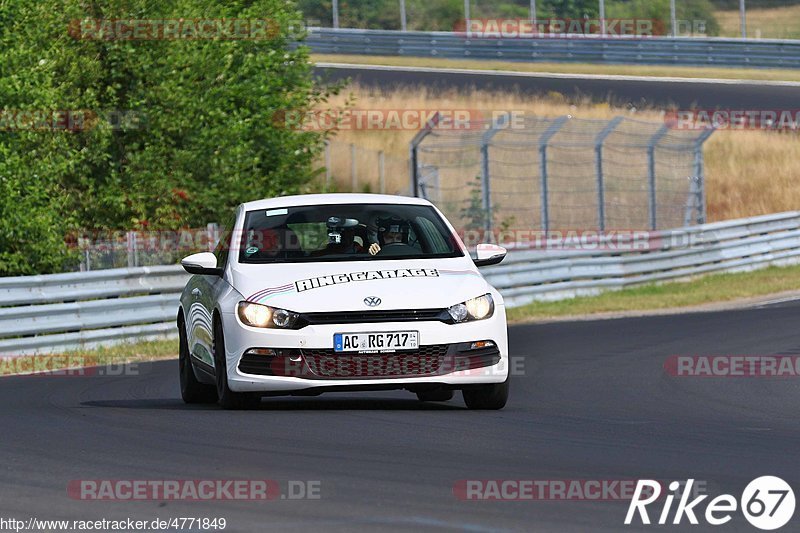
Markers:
345,232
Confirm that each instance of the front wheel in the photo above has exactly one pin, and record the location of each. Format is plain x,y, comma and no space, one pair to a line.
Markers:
227,398
492,396
192,391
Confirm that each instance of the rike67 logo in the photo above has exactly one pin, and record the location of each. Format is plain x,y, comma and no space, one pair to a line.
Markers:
767,503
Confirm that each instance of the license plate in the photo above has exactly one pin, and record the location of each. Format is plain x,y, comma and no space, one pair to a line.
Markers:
376,342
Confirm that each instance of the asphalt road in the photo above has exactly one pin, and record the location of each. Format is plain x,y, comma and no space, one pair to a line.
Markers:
619,90
593,403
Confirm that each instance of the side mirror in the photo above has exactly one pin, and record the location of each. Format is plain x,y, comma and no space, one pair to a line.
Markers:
489,254
204,263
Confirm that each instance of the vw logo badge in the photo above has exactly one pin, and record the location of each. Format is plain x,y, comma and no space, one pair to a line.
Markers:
372,301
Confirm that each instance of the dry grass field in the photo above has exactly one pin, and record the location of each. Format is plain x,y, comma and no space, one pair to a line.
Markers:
766,23
748,172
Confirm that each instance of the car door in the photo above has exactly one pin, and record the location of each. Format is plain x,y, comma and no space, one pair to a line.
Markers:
204,294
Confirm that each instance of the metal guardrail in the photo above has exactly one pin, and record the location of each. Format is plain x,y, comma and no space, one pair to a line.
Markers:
54,313
58,312
730,246
693,51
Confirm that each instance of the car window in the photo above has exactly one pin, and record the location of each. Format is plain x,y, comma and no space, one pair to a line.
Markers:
429,233
345,232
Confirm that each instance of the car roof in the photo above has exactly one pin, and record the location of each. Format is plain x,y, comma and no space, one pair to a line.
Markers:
332,198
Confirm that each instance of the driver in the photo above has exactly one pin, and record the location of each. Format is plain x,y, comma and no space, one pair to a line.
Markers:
392,230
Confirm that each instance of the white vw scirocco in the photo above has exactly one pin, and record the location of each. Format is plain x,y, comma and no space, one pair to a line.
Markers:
338,292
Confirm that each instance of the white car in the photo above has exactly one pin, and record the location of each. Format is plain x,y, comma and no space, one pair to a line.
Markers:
338,292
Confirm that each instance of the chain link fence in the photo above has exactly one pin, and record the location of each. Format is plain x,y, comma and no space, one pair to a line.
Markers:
753,19
532,173
562,174
130,249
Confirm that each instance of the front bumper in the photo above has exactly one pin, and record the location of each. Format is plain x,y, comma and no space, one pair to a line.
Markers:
308,355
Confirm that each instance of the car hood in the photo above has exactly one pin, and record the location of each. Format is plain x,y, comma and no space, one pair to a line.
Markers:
344,286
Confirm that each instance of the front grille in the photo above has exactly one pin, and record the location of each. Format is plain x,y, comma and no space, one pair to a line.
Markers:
327,364
355,317
321,364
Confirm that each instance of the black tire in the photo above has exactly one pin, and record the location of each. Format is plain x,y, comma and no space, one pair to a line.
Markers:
192,391
492,396
227,398
438,395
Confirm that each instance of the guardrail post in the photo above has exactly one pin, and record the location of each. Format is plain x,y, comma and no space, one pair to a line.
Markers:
486,186
598,148
651,174
413,156
544,140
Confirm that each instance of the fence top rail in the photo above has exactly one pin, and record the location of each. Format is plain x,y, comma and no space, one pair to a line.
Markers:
560,131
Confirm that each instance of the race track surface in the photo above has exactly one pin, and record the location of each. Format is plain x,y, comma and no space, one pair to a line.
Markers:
593,402
636,92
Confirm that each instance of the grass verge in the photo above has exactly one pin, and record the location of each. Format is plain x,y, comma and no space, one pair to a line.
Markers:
712,289
569,68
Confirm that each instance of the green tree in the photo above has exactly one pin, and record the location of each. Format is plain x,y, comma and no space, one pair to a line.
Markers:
571,9
209,132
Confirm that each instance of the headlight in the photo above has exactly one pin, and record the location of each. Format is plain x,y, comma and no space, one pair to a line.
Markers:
264,316
474,309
